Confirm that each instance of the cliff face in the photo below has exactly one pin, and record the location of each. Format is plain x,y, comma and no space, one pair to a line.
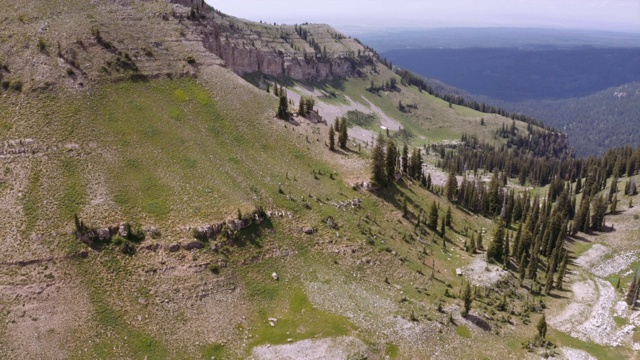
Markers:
270,62
308,52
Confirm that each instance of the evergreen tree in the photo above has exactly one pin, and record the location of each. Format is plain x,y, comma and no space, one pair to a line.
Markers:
562,271
443,227
472,245
495,252
301,109
466,299
614,204
542,327
433,216
332,138
343,137
283,108
336,124
428,181
479,242
632,294
449,217
379,175
390,162
506,252
451,186
405,159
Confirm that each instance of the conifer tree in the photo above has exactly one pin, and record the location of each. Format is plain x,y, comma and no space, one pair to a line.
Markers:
495,252
443,227
428,181
336,124
451,186
433,216
562,271
332,138
390,162
506,252
472,245
542,327
467,299
378,173
632,294
480,242
449,217
405,159
301,109
343,137
283,108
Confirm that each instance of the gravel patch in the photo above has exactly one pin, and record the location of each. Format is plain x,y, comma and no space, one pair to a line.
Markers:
615,265
321,349
484,274
575,354
592,256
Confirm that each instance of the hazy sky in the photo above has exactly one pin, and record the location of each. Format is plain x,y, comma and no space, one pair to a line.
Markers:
613,15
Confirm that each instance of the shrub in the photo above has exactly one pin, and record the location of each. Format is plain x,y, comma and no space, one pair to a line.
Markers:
15,85
214,268
70,72
42,45
190,60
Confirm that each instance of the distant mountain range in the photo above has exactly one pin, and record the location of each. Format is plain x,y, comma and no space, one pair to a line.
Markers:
456,38
581,81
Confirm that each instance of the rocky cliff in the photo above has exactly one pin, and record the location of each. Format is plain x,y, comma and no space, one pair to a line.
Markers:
305,52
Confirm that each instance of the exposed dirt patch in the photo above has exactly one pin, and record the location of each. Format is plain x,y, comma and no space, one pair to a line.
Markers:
575,354
43,319
484,274
331,348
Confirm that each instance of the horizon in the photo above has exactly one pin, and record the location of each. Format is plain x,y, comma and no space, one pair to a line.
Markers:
618,16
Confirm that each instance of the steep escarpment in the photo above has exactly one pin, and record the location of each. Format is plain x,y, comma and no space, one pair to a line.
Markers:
304,52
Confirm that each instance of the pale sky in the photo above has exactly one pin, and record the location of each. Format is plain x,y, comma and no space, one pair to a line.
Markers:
611,15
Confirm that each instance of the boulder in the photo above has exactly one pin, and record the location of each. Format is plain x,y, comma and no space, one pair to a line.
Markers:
275,276
307,230
193,245
173,247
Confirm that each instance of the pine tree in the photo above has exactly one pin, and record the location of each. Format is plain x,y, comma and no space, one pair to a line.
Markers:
451,186
614,204
428,181
472,245
433,216
390,162
405,159
506,252
562,271
377,163
405,208
495,252
443,227
283,108
343,137
467,299
332,138
480,242
449,217
301,110
632,294
542,327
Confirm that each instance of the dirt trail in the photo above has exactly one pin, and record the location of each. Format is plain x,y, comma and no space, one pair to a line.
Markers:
589,316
